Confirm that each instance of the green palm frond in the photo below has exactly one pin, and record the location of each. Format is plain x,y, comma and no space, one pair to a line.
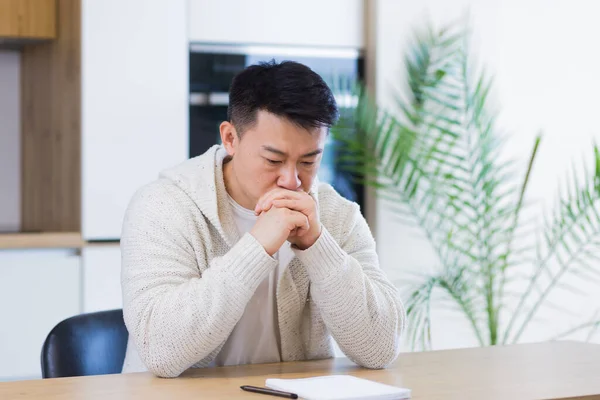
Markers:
571,240
437,159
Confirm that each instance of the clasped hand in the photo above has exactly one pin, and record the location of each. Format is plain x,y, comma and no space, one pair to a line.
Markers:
286,215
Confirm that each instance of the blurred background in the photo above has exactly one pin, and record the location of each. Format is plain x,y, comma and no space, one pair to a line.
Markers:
98,96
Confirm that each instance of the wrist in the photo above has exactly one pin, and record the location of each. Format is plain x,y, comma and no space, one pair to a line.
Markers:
261,241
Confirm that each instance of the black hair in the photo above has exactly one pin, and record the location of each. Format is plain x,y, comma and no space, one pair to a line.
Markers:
288,89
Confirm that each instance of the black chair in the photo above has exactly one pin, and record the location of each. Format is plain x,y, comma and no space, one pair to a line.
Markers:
87,344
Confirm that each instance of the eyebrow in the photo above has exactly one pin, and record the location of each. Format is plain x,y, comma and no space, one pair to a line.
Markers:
284,154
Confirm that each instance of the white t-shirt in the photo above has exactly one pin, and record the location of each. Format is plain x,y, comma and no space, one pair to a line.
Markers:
255,338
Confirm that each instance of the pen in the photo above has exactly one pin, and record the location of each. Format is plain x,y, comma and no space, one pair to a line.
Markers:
278,393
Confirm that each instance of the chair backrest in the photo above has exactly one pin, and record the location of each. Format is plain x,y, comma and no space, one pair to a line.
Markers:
87,344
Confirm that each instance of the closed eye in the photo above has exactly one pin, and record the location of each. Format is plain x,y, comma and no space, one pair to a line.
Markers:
308,163
273,162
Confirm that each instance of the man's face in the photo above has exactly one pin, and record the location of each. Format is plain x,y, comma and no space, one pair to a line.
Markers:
274,153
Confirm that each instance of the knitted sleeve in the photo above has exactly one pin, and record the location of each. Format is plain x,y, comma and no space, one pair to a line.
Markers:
177,309
359,305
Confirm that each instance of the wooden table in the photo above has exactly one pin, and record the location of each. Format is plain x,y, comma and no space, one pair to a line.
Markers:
552,370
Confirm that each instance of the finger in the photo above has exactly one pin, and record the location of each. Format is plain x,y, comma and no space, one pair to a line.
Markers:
264,203
280,194
262,209
263,199
295,205
299,221
285,195
301,231
306,206
304,227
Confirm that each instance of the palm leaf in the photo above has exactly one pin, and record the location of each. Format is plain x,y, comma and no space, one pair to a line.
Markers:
570,236
437,160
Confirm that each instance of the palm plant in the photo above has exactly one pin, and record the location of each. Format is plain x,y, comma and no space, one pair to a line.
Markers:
438,160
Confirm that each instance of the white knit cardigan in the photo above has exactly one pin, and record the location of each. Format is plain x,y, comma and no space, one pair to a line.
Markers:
187,277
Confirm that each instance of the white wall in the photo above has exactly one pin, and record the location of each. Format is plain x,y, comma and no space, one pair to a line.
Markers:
134,103
543,56
101,268
335,23
10,175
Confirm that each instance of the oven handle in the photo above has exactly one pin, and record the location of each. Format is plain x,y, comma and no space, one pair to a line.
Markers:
209,99
343,100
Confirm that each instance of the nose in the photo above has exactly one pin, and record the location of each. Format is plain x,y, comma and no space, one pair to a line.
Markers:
288,178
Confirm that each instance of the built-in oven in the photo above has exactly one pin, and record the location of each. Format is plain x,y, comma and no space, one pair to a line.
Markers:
212,67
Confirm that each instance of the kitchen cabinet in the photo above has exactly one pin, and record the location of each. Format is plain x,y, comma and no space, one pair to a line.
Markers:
38,289
23,20
10,160
101,278
104,109
330,23
134,68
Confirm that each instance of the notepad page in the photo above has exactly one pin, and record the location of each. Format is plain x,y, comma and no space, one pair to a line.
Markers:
338,387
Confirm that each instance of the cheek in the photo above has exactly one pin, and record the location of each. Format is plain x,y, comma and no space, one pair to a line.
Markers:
307,179
265,178
252,173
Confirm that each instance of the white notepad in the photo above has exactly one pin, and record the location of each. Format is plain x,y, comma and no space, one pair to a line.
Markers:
338,387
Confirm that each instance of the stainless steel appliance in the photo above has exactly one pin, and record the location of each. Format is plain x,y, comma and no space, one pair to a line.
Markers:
212,68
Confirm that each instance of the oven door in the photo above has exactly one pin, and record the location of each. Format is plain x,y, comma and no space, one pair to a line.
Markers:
212,67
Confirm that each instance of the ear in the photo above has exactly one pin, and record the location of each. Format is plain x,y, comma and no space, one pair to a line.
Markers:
229,137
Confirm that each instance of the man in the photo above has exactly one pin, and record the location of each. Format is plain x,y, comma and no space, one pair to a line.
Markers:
239,256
